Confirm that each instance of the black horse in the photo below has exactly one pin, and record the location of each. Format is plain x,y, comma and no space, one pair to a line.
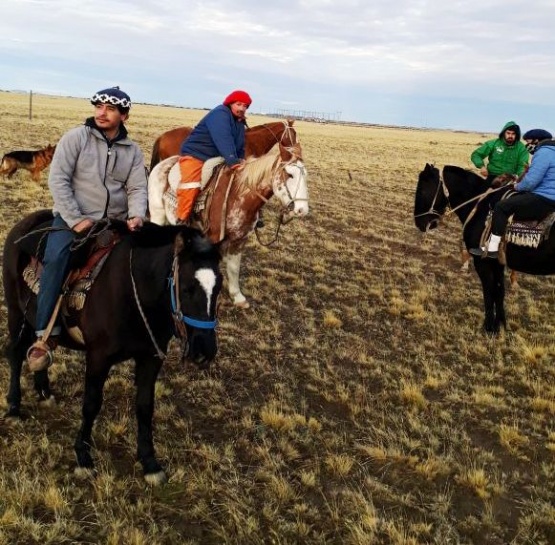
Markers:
467,194
155,283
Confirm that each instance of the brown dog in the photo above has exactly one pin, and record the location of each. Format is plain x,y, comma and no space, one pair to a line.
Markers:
33,161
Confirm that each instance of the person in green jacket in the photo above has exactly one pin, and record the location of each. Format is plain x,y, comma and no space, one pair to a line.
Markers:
505,154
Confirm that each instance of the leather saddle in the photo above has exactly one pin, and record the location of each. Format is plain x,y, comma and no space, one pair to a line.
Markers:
86,261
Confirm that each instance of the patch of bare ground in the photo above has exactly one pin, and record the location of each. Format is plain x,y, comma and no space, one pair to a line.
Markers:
357,402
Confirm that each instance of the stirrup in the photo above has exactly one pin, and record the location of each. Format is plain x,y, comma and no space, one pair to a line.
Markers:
42,357
484,253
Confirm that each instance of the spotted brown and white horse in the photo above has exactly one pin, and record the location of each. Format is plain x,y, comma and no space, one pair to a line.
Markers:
229,204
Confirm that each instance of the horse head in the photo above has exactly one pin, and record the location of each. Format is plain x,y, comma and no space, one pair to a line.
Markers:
289,135
290,183
430,200
197,282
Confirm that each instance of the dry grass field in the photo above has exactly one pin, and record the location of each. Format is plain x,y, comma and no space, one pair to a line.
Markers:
357,402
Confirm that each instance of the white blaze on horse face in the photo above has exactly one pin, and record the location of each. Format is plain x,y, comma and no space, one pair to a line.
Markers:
207,279
294,189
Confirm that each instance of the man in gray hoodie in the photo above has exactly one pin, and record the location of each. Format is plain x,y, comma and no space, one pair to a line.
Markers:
97,172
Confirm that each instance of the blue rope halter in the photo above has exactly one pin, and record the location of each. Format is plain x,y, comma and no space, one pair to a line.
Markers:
193,322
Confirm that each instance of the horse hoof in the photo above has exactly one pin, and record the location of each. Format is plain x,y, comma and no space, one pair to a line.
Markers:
13,413
48,403
84,473
242,304
156,479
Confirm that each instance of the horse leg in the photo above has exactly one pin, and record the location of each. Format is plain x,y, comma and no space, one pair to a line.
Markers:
465,260
42,387
92,403
233,268
16,350
146,372
491,274
20,337
513,275
499,279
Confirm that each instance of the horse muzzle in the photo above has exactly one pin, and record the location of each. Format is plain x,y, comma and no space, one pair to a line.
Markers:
426,222
202,347
295,209
433,224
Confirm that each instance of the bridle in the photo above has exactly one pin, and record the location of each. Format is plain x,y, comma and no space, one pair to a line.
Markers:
288,131
180,319
292,198
177,314
477,199
432,210
285,208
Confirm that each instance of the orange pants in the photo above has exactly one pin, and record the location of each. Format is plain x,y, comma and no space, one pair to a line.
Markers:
189,187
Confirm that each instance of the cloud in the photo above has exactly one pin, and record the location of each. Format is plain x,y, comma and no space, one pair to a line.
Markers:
303,51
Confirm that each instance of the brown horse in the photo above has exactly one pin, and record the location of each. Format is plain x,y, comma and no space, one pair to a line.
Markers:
228,206
259,140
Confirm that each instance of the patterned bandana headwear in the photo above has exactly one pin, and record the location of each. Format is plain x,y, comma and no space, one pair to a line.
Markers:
238,96
114,96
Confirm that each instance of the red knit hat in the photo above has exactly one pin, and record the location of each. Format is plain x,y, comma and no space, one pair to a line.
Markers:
238,96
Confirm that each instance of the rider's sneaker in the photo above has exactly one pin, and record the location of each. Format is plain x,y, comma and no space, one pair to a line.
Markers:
39,355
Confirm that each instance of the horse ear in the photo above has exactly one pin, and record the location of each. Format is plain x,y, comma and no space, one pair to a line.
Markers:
192,239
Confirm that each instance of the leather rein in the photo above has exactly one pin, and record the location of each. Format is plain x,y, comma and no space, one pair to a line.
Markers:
478,199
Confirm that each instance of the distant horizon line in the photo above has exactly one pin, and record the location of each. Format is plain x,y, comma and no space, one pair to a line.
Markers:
275,115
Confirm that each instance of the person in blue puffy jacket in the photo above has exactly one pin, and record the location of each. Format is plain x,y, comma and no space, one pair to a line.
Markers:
535,197
220,133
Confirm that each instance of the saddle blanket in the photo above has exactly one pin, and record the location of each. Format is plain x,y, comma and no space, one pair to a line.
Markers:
529,234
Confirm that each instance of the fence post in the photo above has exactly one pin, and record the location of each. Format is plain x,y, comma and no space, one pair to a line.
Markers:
30,105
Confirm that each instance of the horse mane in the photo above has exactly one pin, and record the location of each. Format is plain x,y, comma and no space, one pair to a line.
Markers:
152,235
286,124
257,168
155,157
465,176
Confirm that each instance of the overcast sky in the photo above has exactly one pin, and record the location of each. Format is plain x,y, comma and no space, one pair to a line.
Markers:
459,64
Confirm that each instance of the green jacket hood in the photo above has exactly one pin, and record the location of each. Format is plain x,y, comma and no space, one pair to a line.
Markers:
510,125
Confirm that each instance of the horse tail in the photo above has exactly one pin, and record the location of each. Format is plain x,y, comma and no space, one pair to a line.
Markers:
155,159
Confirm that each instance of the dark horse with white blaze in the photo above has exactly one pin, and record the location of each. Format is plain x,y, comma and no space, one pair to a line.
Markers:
155,283
467,194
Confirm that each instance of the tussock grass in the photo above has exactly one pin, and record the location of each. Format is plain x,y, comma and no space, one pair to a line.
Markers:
356,402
